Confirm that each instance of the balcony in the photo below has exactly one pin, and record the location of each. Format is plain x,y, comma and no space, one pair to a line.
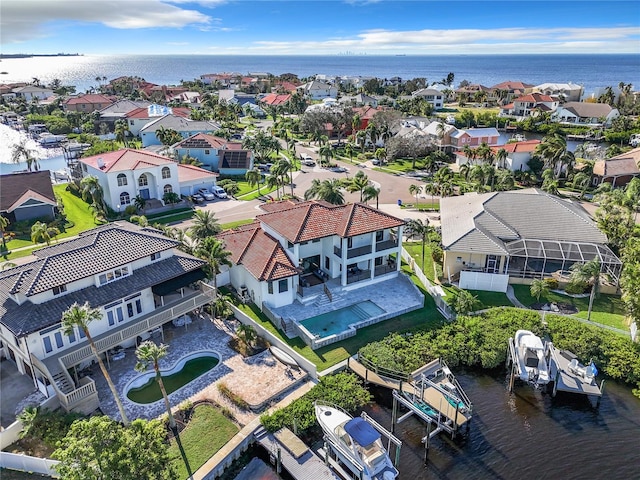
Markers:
353,252
386,244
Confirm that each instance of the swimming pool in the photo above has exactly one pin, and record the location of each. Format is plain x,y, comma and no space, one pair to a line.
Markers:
332,323
144,388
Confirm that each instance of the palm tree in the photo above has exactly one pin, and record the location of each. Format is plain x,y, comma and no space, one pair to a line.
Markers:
4,223
121,131
40,231
381,154
212,251
501,157
282,169
81,316
370,192
21,152
349,150
329,190
419,229
358,184
326,153
204,225
589,273
92,191
415,191
149,353
253,177
539,288
247,333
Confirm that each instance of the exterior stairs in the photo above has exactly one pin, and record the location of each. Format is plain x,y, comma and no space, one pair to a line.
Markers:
62,382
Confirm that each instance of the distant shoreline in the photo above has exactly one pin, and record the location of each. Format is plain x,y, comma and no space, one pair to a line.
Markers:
31,55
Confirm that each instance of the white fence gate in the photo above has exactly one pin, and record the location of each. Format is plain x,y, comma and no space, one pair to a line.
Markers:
492,282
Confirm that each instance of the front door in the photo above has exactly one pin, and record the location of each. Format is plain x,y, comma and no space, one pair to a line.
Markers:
144,193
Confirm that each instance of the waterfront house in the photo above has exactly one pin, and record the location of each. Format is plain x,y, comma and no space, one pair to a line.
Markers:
492,239
518,154
566,92
586,113
119,110
216,154
31,92
507,91
530,105
317,90
432,96
139,117
474,137
184,126
27,196
359,100
87,103
295,245
275,99
135,276
618,170
125,174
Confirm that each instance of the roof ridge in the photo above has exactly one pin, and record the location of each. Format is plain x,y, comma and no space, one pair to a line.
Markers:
247,245
350,211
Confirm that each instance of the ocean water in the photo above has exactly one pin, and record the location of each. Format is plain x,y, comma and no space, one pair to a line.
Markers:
591,71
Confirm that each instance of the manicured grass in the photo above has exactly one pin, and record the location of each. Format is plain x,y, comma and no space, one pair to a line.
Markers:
426,318
415,250
207,432
426,205
404,165
76,210
491,299
607,309
238,223
176,217
176,211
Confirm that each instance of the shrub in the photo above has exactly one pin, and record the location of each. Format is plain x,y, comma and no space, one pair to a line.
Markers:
130,210
552,283
436,253
233,397
576,287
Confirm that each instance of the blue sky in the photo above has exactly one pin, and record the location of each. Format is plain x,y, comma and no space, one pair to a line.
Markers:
318,27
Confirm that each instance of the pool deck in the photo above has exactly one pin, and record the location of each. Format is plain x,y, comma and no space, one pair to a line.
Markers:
395,295
259,379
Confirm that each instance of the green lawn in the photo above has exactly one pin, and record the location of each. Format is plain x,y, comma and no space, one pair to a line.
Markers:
238,223
207,432
175,217
491,299
607,309
415,250
425,318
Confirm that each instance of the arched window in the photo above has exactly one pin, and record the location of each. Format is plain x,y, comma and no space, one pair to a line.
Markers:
122,180
125,199
143,181
166,173
168,188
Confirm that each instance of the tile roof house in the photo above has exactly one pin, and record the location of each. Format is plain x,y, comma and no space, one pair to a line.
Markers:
125,174
88,103
474,137
283,257
512,89
216,154
317,90
30,92
493,238
566,92
275,99
119,110
618,170
530,105
139,117
586,113
432,96
26,196
134,276
183,126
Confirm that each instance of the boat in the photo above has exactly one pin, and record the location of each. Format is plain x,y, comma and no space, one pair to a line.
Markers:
283,356
356,443
532,358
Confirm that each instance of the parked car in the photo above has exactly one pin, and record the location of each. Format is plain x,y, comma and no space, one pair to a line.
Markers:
338,169
375,161
206,194
219,192
197,198
308,162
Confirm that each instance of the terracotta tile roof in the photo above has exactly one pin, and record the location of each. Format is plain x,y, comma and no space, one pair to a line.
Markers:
275,99
187,173
534,98
15,186
366,112
126,159
89,98
518,147
260,253
510,85
312,220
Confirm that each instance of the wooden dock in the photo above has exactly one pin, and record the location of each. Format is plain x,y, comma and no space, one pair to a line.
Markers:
288,451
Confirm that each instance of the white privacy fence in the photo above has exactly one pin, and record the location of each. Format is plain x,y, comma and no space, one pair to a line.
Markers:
26,463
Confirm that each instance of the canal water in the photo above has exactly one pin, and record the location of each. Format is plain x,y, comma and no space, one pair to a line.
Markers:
524,435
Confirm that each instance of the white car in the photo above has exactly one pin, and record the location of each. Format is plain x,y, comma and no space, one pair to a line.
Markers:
219,192
206,194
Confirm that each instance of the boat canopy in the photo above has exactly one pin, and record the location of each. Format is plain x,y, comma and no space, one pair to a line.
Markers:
361,431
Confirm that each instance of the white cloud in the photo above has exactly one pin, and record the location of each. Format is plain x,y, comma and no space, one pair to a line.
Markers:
505,40
23,20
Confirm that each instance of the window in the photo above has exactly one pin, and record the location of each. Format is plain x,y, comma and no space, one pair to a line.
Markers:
138,307
112,275
143,181
349,242
131,122
58,337
166,173
48,347
125,199
379,235
155,256
378,261
168,188
207,152
270,288
122,179
130,309
60,289
72,336
283,285
111,318
326,263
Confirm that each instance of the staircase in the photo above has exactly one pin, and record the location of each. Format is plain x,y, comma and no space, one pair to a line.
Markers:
62,382
289,327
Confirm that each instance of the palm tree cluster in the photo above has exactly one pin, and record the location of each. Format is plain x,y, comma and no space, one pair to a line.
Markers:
93,194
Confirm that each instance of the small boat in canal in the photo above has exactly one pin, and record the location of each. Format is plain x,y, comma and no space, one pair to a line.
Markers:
356,443
532,355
